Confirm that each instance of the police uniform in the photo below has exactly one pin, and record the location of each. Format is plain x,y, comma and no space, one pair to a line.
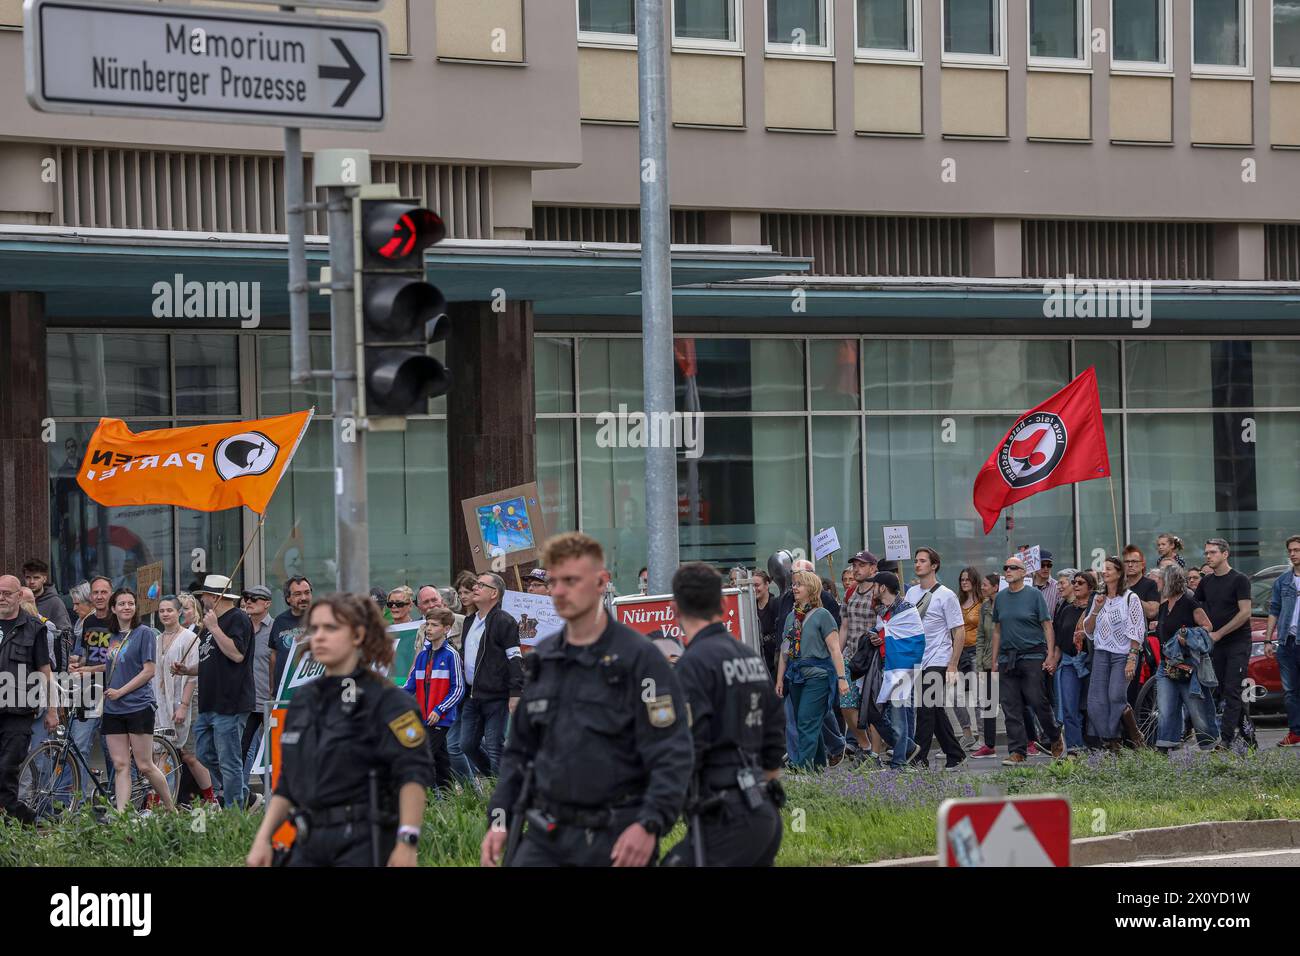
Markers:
600,740
337,730
738,724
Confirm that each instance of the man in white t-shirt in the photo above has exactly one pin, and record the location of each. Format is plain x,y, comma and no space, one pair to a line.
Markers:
945,633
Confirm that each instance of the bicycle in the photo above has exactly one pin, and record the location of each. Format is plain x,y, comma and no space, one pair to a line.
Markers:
49,779
1148,714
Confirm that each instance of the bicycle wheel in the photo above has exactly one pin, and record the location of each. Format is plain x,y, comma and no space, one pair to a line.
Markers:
168,761
49,781
1147,712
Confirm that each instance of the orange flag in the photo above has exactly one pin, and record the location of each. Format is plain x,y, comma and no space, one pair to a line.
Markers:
204,467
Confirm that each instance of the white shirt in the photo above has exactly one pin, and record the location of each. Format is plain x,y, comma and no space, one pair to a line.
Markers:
471,647
942,615
1295,609
1120,622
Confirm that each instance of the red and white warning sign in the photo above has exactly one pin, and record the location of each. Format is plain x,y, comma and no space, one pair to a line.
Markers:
1005,831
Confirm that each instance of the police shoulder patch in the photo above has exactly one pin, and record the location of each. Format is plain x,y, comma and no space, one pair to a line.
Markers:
407,729
661,712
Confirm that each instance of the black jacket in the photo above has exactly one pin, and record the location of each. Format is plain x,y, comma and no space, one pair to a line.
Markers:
603,725
24,646
498,673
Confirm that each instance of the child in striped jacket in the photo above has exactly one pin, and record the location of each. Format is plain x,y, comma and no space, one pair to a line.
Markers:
437,680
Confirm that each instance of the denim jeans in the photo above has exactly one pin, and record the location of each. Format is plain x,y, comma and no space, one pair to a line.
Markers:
1107,694
902,717
809,701
832,740
1288,663
218,743
483,732
460,765
1172,698
1069,697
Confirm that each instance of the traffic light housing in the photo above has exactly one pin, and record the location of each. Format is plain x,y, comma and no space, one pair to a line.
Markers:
398,313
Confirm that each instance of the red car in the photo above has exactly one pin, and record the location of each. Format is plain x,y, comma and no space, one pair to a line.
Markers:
1263,670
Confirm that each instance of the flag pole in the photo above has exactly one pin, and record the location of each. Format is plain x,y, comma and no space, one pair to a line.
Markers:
261,520
1114,513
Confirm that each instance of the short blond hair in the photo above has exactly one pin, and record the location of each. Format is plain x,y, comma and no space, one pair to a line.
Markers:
569,545
810,580
406,593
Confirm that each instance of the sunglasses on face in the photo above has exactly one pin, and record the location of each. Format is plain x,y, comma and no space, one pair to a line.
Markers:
253,597
1012,567
399,603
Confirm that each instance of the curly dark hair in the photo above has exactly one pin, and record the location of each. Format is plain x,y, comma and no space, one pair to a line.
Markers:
359,611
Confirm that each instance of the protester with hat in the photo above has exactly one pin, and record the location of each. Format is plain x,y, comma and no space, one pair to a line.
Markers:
226,689
858,617
903,635
536,582
1046,583
256,603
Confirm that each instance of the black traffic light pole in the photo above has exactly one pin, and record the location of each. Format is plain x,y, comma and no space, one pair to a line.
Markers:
352,532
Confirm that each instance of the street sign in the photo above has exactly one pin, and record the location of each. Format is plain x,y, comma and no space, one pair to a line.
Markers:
1005,831
369,6
223,66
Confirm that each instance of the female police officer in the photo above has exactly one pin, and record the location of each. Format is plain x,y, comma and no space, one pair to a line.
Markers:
347,734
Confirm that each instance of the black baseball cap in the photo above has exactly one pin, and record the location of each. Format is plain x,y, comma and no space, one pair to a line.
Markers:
886,578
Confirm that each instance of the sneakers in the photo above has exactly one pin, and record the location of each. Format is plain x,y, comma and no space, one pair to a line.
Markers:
1033,749
1290,740
1014,760
951,767
983,753
1058,748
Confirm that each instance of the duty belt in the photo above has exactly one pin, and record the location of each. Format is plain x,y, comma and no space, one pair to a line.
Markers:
319,818
591,818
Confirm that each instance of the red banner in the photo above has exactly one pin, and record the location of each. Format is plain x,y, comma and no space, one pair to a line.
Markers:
646,614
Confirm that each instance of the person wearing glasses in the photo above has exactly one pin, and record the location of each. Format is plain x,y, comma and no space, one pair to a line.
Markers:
256,603
400,601
1024,647
493,673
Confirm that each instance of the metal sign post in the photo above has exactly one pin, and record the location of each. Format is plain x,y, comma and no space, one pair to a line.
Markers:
219,66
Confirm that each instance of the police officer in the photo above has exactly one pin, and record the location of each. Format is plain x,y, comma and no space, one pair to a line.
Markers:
355,760
599,755
24,651
738,724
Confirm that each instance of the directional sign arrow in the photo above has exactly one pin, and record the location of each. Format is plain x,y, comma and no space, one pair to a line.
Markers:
352,72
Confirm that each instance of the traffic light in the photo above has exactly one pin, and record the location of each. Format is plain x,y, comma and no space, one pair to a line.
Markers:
398,313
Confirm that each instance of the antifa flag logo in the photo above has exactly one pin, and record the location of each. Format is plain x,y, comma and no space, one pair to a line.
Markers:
1033,450
248,453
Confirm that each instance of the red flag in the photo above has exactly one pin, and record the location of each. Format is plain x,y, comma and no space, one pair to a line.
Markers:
1058,443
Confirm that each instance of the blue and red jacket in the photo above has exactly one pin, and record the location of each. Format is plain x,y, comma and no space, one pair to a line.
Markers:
438,682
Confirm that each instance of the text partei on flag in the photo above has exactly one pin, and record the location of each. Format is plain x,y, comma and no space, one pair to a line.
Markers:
1060,442
203,467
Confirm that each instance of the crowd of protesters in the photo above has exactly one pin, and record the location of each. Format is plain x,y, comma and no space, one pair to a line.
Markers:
869,668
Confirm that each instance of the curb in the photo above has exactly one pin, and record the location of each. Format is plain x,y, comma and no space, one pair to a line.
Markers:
1193,838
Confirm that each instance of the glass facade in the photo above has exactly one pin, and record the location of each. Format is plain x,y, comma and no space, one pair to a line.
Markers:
886,25
798,434
972,27
1219,33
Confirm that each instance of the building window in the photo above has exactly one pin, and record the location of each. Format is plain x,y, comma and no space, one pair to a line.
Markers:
1220,36
1058,32
607,21
974,31
707,24
799,27
1140,34
1286,37
887,29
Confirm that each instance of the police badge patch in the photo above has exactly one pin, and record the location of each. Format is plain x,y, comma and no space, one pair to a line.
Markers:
661,711
408,730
